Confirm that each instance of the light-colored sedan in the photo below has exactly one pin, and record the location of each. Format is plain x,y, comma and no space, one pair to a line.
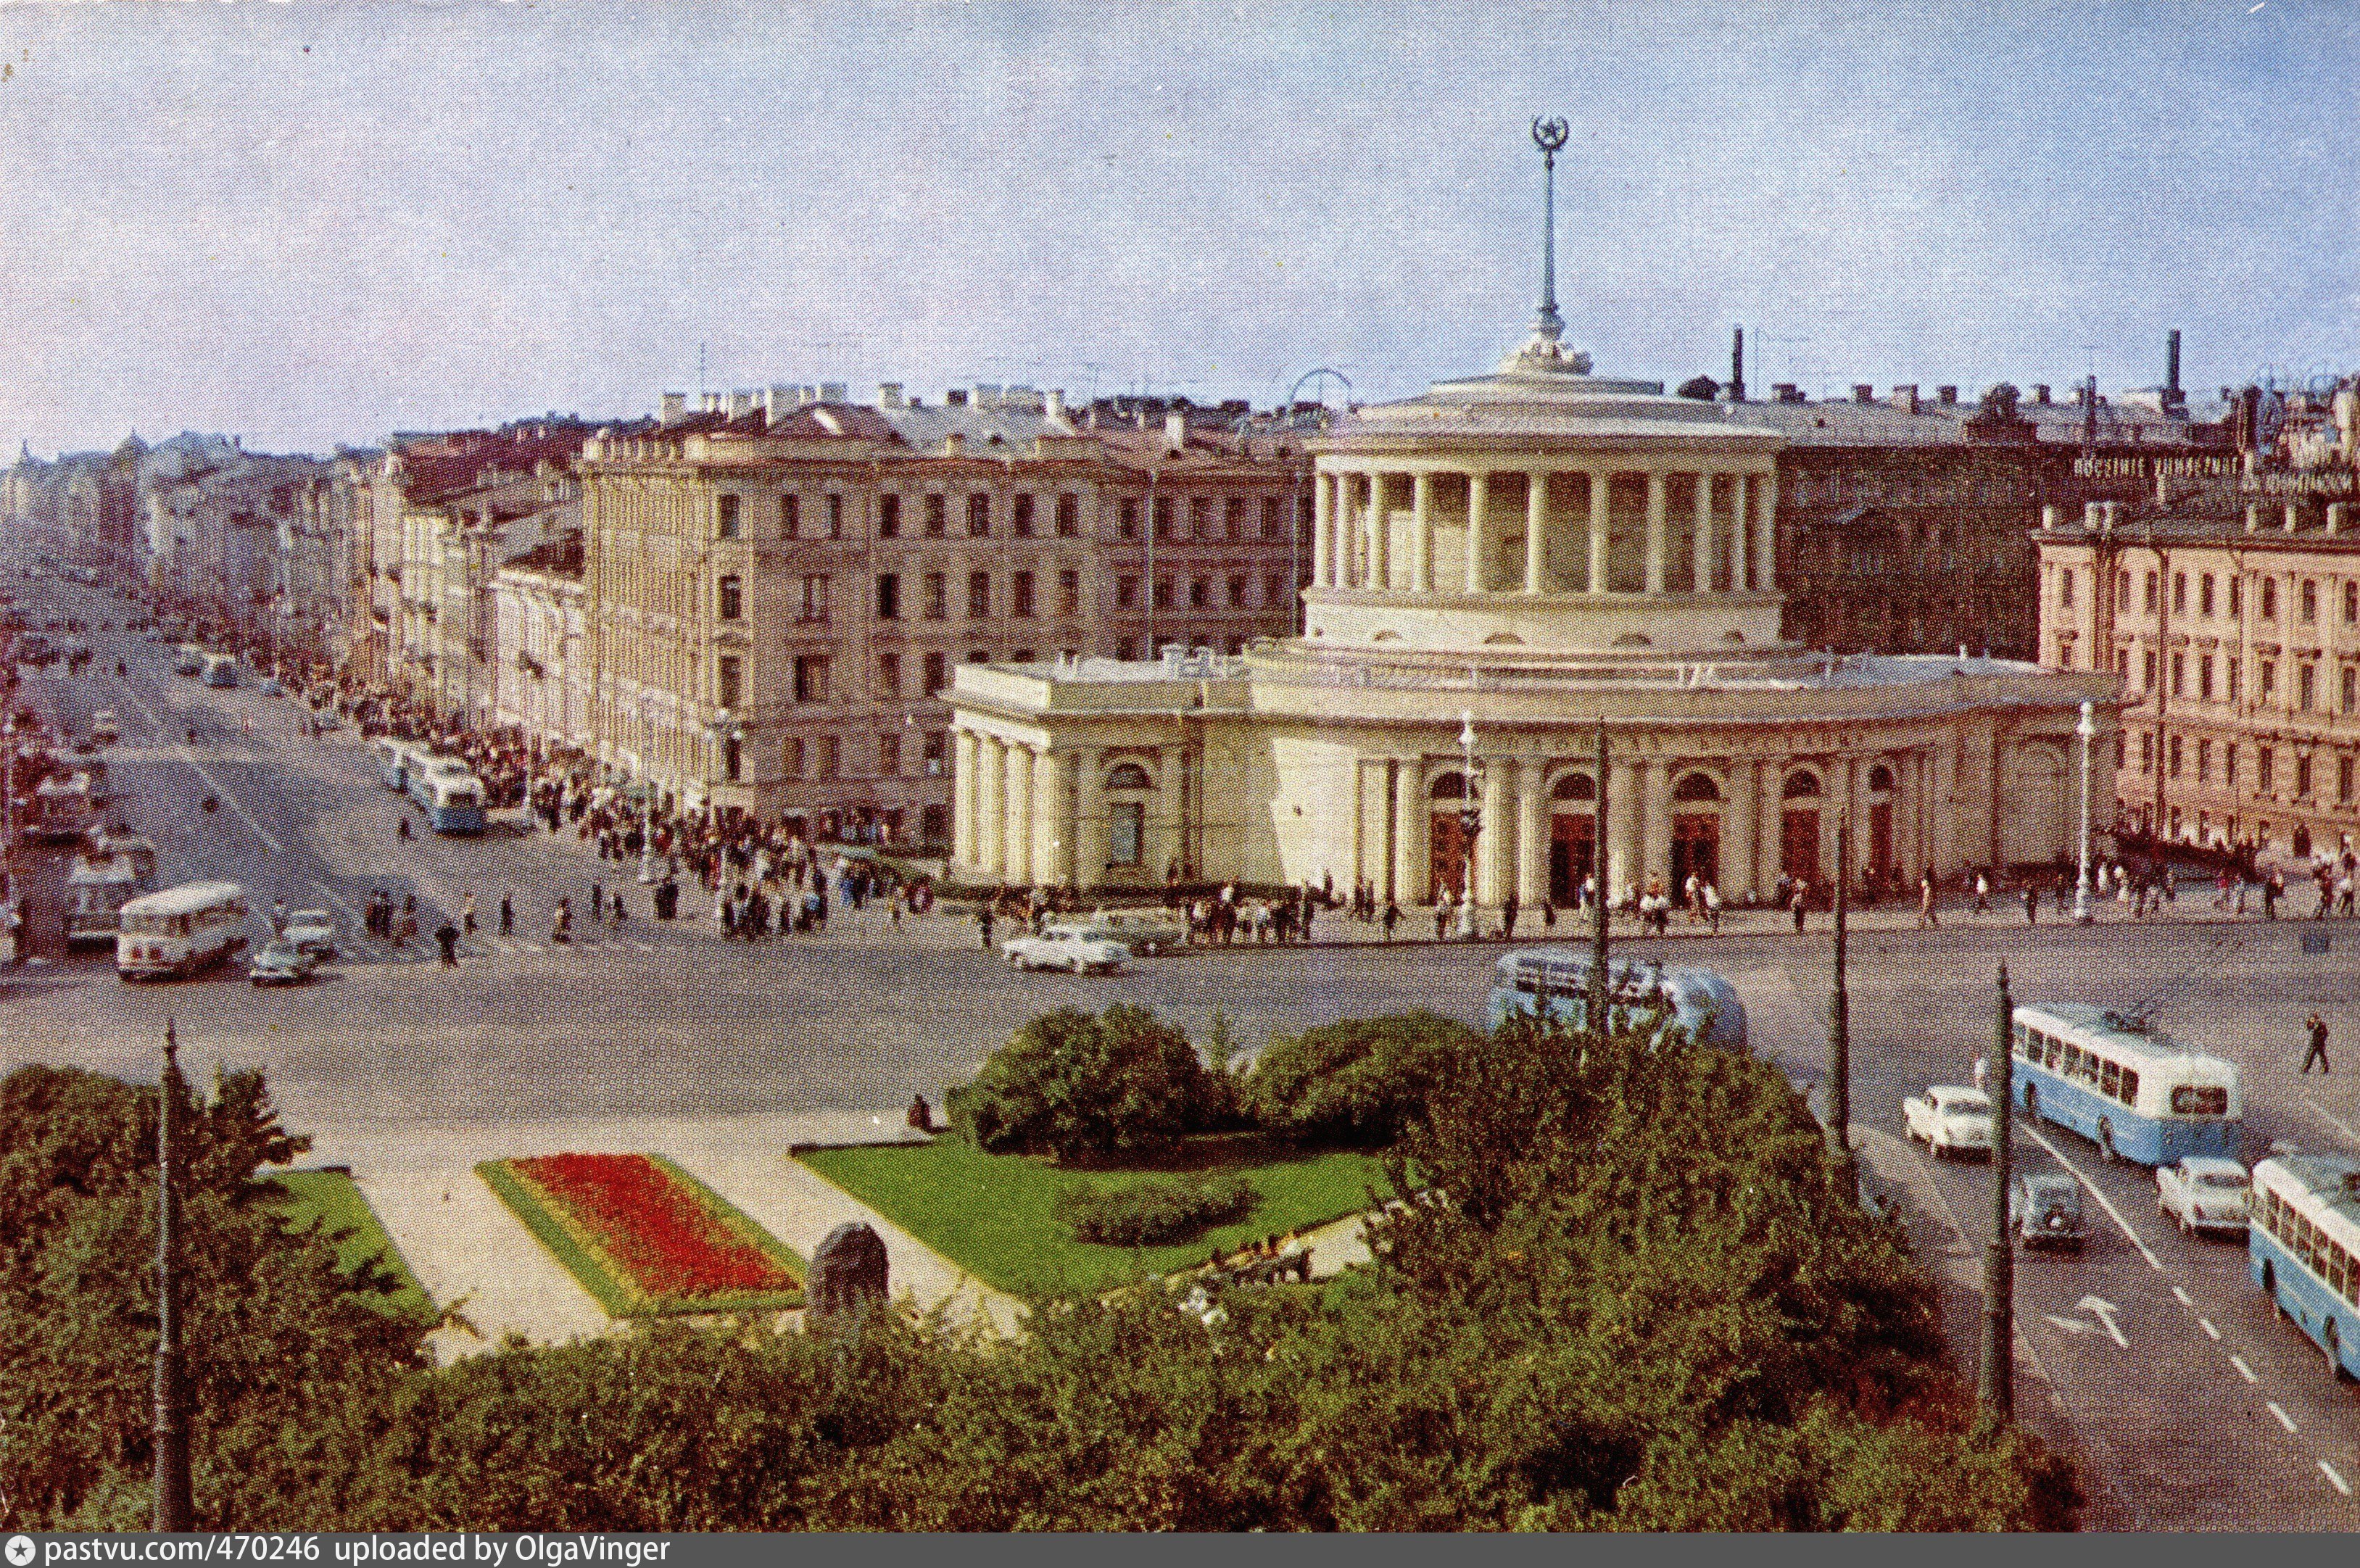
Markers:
2203,1191
1061,948
1949,1120
313,932
280,964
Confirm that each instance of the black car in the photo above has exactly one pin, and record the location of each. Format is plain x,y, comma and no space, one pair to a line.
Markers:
2044,1209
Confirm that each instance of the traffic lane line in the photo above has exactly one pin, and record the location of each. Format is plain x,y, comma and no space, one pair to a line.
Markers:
2242,1371
212,785
2285,1420
2340,1483
2103,1201
2331,1119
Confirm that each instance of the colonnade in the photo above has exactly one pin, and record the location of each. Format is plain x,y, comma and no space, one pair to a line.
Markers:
1027,816
1356,537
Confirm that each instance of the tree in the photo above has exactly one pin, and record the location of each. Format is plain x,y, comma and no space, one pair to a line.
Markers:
1358,1080
1083,1088
1703,388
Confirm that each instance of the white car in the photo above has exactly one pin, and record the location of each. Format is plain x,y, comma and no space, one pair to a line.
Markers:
313,932
1949,1120
2203,1191
1065,949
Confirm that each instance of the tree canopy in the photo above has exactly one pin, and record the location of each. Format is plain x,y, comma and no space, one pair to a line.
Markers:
1083,1088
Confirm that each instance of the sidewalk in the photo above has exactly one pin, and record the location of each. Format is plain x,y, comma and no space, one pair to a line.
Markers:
472,1254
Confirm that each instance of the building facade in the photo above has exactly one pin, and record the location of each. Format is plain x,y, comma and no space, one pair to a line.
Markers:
778,589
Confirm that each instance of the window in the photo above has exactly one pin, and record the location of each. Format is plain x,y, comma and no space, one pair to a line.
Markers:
888,516
732,674
2180,593
725,523
889,675
1126,649
2351,603
811,678
2310,601
2146,753
2204,761
2305,676
1200,515
935,593
1126,593
2302,774
936,672
2237,597
2266,676
2146,670
2263,769
1237,592
1163,517
888,595
934,527
2350,694
2344,780
733,599
1235,513
2178,674
1020,594
1200,593
793,758
1127,518
1163,593
835,517
889,756
2229,764
2065,586
1020,517
931,752
1274,589
2153,581
733,757
831,756
1022,655
2230,667
2121,588
1274,518
2175,756
2205,594
1126,832
791,517
978,656
978,596
1069,592
2269,598
814,599
2204,677
1069,515
978,516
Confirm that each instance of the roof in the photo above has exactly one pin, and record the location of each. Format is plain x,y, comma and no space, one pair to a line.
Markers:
184,899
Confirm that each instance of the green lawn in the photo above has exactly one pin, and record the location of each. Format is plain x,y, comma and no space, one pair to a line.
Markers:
333,1197
994,1215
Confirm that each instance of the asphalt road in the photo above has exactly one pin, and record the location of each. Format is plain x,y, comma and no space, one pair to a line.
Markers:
2195,1408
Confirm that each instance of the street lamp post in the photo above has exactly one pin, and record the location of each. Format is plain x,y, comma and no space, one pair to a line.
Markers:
1470,823
2087,732
1996,1382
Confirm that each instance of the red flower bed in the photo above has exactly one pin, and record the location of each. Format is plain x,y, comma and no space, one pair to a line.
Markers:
654,1229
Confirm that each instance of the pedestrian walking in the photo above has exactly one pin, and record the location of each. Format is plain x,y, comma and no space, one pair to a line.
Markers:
1927,916
1393,917
446,937
2317,1026
277,917
1983,894
1508,910
467,914
1441,914
1799,901
983,919
1982,1074
2031,904
561,922
507,916
1713,908
402,827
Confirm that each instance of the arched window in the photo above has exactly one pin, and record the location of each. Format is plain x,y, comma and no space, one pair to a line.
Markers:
1129,776
1573,787
1449,787
1695,787
1880,778
732,599
1801,786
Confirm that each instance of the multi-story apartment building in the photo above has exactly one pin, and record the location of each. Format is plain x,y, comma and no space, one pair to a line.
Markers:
777,587
539,678
2232,617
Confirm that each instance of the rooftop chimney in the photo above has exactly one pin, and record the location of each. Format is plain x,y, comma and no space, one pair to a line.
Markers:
954,397
1737,366
1786,392
1905,398
1176,428
2293,516
1947,396
888,393
2040,394
675,408
740,405
2171,366
712,402
1861,392
834,392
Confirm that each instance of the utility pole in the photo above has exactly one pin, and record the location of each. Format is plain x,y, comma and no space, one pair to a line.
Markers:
1839,1021
175,1508
1598,910
1996,1382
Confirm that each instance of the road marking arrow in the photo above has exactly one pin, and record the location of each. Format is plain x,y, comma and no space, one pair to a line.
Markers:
2070,1325
2103,1310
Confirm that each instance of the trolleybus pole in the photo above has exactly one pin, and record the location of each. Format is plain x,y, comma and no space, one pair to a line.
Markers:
1996,1385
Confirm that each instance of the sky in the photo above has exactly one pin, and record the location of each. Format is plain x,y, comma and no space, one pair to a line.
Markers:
314,222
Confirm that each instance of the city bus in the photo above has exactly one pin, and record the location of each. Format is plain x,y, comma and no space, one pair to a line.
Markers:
61,808
2125,1086
2302,1247
180,931
449,791
1554,982
96,889
392,758
221,670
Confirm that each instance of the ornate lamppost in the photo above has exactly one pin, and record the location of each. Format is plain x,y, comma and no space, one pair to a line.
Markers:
1470,823
2087,732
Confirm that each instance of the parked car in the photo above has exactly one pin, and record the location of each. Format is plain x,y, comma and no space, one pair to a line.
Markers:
104,728
313,932
2044,1209
1065,949
2203,1191
1949,1120
280,964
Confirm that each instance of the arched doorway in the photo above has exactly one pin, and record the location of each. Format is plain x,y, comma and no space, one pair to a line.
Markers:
1798,826
1695,830
1880,823
1448,840
1573,836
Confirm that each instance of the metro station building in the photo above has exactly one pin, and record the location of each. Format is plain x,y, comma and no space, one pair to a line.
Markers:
1500,566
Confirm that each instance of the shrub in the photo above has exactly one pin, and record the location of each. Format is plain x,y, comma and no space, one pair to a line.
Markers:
1081,1088
1155,1214
1357,1082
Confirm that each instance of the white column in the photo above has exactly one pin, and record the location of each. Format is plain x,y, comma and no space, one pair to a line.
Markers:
1410,828
1703,550
1495,847
1656,786
1479,543
1601,485
1421,534
1655,533
1089,818
1620,857
1053,844
1535,515
1740,871
965,767
990,806
1381,536
1532,833
1323,522
1019,815
1766,532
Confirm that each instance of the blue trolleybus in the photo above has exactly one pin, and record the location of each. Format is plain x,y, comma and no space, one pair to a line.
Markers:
2123,1086
449,791
2302,1245
1555,981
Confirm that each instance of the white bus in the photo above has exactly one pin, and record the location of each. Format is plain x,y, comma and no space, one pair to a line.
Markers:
96,889
2124,1086
180,931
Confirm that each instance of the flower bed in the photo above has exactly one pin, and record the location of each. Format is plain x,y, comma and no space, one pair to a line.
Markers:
644,1237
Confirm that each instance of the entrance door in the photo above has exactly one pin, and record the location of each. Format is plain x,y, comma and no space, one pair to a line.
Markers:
1695,849
1447,863
1573,853
1799,843
1879,839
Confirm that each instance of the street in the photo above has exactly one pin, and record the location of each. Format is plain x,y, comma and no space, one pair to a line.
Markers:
2194,1408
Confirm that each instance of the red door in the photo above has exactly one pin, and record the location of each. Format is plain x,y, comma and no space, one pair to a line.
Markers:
1799,843
1447,860
1879,839
1573,853
1695,849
